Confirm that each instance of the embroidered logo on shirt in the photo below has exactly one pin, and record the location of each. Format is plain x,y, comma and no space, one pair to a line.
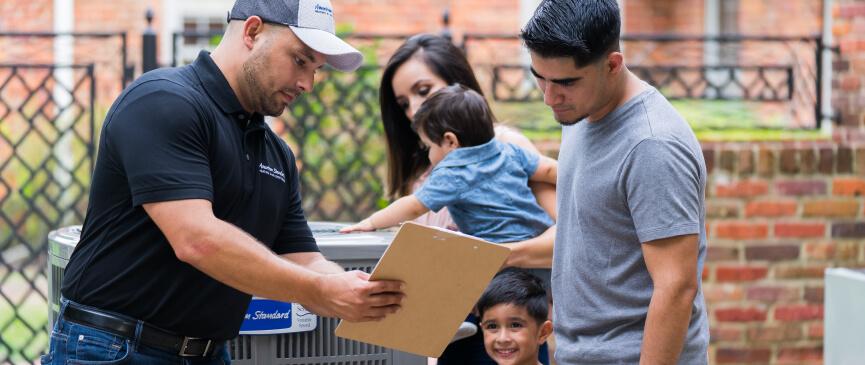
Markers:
272,172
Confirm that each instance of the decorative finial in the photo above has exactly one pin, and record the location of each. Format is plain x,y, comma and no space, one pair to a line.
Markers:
149,16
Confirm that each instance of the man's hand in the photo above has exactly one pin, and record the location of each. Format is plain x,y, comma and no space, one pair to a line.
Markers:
352,297
236,259
362,226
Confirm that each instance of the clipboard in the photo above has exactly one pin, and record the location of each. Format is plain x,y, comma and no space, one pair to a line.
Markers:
445,273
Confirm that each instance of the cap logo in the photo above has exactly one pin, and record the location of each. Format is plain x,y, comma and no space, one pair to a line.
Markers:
324,10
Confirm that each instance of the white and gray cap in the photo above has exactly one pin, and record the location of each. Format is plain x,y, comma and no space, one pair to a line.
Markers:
312,22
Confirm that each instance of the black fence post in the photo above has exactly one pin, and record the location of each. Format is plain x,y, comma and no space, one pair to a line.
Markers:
148,45
174,50
128,71
446,22
91,149
818,105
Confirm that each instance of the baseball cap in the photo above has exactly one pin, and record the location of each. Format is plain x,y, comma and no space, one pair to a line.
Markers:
310,20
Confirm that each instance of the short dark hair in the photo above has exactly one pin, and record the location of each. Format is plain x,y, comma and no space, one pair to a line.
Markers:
406,158
585,30
518,287
459,110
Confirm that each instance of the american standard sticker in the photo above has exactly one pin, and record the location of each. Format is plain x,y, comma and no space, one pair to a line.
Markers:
272,172
265,316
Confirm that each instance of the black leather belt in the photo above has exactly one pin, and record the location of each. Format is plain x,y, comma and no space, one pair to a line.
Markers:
150,336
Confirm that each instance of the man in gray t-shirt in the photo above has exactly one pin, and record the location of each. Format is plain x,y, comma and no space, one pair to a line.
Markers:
631,236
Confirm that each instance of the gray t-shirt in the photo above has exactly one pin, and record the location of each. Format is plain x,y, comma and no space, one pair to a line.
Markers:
634,176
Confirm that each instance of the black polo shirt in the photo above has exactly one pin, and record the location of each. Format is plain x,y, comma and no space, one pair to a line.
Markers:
175,134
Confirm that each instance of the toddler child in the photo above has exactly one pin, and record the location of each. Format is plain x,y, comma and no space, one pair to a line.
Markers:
482,182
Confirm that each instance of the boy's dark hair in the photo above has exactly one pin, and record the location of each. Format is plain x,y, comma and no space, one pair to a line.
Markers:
518,287
459,110
585,30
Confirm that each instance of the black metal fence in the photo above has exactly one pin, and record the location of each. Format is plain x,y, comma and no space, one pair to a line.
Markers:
48,117
337,136
46,157
779,76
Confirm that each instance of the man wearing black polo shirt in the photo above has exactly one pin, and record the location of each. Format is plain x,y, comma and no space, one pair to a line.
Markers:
195,203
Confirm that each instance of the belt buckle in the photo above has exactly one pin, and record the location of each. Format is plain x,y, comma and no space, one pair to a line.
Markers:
185,345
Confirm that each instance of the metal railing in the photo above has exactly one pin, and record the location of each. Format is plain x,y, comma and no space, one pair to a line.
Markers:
46,158
773,70
337,136
777,73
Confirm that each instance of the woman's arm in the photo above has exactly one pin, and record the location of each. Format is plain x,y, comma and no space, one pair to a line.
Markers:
405,208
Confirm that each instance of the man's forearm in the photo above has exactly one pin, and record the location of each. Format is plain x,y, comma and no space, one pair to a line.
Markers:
233,257
533,253
319,264
236,259
666,326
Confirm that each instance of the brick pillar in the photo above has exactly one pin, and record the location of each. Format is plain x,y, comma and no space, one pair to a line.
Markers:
778,215
848,83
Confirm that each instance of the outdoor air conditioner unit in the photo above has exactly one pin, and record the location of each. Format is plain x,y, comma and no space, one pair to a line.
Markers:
313,342
844,319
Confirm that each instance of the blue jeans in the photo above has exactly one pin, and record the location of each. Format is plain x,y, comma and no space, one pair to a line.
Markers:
73,343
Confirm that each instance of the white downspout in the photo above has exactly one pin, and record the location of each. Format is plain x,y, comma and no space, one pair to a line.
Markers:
170,22
64,22
712,21
527,9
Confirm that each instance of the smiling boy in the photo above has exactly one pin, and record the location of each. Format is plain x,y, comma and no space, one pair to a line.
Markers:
513,312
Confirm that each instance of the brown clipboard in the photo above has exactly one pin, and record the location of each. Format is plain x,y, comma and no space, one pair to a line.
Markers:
445,273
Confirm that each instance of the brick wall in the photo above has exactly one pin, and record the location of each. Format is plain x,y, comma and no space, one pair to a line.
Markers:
778,214
30,16
849,78
780,17
25,16
425,16
117,15
664,16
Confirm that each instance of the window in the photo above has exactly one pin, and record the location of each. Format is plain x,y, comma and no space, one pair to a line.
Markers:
198,33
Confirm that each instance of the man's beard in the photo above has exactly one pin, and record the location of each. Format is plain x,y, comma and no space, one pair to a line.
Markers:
265,103
571,121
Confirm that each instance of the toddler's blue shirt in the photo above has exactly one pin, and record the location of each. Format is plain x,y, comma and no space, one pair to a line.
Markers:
485,189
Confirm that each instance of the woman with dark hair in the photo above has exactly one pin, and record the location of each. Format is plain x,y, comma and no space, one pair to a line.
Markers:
422,65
